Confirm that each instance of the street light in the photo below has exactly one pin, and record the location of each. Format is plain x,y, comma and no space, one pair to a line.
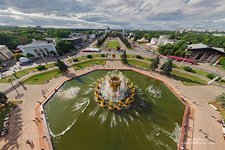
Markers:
10,80
44,58
187,54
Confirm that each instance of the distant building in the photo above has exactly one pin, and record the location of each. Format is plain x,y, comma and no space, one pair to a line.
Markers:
204,53
142,40
91,50
92,36
107,30
38,48
75,41
84,37
154,41
5,53
162,40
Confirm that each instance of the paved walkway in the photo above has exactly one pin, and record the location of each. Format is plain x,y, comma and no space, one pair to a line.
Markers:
24,126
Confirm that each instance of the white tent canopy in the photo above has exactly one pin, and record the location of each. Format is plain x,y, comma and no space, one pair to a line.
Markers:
24,59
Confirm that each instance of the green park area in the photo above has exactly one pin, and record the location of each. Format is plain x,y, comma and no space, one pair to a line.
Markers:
187,79
42,77
89,63
24,72
138,63
113,44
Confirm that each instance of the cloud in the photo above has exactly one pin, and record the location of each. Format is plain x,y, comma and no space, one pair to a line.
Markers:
132,14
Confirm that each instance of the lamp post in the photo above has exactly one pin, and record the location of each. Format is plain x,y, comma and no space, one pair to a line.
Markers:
187,54
44,58
10,80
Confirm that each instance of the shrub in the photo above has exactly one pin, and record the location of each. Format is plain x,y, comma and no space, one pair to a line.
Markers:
40,67
102,55
139,57
89,56
189,69
222,62
211,76
29,55
53,53
75,60
17,56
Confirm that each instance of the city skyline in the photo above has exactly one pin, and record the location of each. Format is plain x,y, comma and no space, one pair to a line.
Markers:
130,14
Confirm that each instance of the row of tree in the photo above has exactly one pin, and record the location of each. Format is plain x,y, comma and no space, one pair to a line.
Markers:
124,40
102,40
177,49
63,47
166,68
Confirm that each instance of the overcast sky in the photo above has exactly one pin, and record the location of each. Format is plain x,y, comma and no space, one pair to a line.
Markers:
123,14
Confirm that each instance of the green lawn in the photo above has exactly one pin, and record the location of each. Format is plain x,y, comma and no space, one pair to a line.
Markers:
3,112
187,79
112,44
88,63
24,72
198,71
42,77
135,56
138,63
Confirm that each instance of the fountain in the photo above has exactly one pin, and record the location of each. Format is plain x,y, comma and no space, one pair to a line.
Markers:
114,91
152,121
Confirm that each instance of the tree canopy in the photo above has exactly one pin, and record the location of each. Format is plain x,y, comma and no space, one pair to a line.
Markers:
62,66
154,63
64,46
3,98
167,67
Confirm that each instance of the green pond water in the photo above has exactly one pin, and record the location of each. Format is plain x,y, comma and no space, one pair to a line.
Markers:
76,122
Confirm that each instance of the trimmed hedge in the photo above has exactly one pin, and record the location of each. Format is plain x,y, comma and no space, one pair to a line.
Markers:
89,56
189,69
40,67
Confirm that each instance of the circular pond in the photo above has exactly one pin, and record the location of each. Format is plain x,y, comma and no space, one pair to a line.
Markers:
76,121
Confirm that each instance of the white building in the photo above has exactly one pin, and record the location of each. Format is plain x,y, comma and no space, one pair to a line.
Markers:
92,36
38,48
162,40
79,35
91,50
142,40
5,53
154,41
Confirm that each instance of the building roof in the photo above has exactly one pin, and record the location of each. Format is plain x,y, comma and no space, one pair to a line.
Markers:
203,46
219,49
36,44
197,46
24,59
2,46
182,59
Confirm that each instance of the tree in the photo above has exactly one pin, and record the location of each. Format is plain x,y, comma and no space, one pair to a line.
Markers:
62,66
17,56
63,47
124,57
29,55
154,64
167,67
3,98
53,53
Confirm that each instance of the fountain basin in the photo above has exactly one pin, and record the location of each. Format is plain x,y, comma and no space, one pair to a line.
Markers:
152,121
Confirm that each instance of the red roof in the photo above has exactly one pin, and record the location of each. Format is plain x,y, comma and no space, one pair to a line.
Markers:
182,59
